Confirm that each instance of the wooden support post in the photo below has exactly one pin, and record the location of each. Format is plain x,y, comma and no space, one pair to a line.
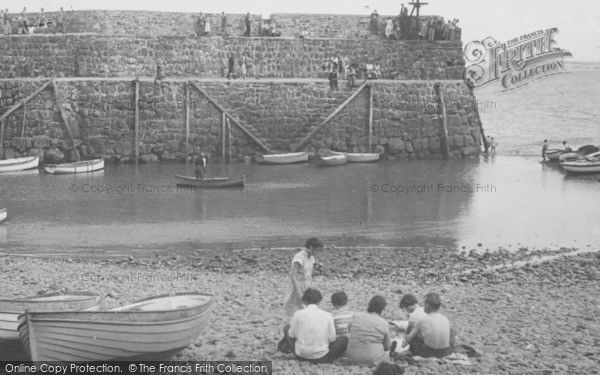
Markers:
370,118
242,128
1,138
187,120
445,145
337,110
19,104
63,115
223,130
486,145
229,140
137,121
24,119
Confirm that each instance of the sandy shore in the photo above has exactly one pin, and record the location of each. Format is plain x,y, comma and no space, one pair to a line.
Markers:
526,316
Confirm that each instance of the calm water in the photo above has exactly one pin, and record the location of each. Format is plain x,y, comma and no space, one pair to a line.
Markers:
519,202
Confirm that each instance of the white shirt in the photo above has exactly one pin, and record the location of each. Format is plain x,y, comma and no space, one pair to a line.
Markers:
418,314
313,330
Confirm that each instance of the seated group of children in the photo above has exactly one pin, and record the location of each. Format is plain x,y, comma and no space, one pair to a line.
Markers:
365,338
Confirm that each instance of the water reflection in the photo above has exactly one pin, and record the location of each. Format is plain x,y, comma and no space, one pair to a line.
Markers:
140,209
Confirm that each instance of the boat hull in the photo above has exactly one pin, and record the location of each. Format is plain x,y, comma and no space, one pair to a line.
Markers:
121,334
78,167
19,164
217,182
330,161
10,309
290,158
359,157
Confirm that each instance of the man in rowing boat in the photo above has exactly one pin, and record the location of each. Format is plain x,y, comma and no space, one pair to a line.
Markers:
201,166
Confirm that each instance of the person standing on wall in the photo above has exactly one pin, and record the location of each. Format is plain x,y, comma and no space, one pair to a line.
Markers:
224,24
375,22
23,25
207,27
243,62
230,66
41,23
1,21
60,22
247,21
200,25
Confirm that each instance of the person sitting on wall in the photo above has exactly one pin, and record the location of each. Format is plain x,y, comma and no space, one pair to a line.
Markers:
273,29
311,333
264,28
389,27
431,336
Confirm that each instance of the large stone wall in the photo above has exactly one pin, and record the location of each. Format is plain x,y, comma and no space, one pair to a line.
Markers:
146,23
112,56
407,122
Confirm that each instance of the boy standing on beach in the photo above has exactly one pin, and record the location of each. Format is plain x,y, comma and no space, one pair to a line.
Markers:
341,315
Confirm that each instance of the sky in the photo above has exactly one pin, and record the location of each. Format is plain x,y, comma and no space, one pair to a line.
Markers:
578,21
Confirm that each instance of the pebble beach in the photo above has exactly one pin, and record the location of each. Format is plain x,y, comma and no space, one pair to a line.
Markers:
526,312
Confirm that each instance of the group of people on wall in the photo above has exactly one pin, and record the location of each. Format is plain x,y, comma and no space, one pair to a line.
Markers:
268,27
352,71
25,24
365,337
406,26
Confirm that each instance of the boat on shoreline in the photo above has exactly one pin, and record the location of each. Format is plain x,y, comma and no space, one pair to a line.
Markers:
554,153
354,157
331,160
77,167
212,182
10,309
289,158
590,164
19,164
154,328
3,214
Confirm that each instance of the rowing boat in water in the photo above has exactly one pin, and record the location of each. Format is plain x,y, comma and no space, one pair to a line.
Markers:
19,164
591,164
213,182
354,157
289,158
10,309
2,214
154,328
77,167
331,160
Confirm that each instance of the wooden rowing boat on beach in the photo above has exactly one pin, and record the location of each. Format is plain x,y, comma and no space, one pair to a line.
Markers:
289,158
77,167
2,214
590,164
359,157
331,160
19,164
212,182
554,153
570,156
10,309
151,329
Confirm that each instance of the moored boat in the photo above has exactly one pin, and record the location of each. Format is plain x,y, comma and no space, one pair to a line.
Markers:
2,214
77,167
10,309
570,156
355,157
591,164
554,153
289,158
19,164
154,328
331,160
212,182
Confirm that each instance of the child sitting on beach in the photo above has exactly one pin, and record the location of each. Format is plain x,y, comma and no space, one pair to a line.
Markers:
415,312
341,315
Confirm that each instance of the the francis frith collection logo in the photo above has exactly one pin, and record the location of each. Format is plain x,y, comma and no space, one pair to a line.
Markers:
516,62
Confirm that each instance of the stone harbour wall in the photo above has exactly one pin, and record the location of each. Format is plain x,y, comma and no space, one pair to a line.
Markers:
407,120
111,56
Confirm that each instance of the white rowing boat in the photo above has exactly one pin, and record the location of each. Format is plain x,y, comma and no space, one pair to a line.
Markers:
19,164
77,167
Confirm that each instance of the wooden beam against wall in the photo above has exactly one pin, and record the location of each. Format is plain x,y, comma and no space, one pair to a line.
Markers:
229,141
370,118
243,128
187,120
1,138
335,112
486,146
19,104
445,145
63,115
136,121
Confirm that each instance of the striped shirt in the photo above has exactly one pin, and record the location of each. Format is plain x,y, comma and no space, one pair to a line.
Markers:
341,319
